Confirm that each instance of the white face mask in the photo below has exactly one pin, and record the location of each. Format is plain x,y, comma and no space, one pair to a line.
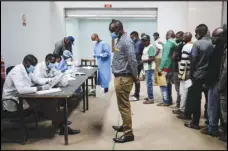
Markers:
94,42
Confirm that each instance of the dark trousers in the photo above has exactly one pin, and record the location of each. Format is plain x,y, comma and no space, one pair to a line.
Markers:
205,91
177,87
193,104
137,85
169,79
50,108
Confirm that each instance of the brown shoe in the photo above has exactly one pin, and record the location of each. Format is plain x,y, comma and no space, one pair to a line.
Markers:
148,102
177,111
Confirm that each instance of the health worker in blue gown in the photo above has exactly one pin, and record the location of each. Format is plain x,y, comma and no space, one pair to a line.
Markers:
103,56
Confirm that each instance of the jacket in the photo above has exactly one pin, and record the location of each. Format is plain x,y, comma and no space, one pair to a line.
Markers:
222,84
167,53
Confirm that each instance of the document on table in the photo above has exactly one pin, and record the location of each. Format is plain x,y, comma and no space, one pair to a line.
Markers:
52,90
188,83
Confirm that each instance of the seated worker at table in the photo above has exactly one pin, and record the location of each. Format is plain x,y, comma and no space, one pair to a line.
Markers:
21,79
60,63
103,55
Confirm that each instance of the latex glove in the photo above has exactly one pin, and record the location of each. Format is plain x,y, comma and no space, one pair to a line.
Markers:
101,55
45,87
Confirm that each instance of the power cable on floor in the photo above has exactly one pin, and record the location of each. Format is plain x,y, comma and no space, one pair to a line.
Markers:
116,133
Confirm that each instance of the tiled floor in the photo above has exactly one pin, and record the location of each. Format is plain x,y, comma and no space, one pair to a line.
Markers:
154,128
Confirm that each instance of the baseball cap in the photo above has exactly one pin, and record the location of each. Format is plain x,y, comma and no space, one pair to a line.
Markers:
71,39
146,37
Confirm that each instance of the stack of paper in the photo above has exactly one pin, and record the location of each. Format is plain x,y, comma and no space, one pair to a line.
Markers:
52,90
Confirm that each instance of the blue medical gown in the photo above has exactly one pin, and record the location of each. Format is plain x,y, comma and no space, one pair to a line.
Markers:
62,65
103,55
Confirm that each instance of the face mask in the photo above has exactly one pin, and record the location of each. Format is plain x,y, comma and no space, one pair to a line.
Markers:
94,42
178,40
30,68
114,35
51,65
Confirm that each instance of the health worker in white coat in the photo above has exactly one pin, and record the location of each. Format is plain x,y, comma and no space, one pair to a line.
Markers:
22,80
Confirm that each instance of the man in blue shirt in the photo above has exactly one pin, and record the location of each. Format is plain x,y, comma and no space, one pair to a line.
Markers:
138,52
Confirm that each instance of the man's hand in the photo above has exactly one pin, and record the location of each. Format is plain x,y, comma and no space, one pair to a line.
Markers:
159,73
45,87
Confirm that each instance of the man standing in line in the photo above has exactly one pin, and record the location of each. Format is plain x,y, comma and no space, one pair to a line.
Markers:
148,65
65,44
184,71
200,57
176,60
124,68
166,66
138,52
158,55
103,55
212,83
222,87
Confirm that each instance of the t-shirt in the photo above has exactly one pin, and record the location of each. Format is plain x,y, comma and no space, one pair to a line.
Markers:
159,48
148,51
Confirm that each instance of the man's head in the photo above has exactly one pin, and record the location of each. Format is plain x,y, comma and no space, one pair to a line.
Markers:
156,36
116,29
57,58
29,63
142,34
134,35
179,36
146,40
50,60
170,35
217,35
187,37
69,40
201,31
95,38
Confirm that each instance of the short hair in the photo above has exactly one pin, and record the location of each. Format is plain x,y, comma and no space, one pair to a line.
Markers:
135,33
201,30
181,33
117,22
31,59
156,34
49,56
57,56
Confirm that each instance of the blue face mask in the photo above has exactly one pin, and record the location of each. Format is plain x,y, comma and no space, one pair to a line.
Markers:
114,35
30,69
51,65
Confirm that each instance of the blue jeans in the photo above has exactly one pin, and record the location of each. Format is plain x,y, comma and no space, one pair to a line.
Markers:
213,108
164,90
149,83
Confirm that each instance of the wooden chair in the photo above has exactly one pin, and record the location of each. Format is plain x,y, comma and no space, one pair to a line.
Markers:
90,62
13,116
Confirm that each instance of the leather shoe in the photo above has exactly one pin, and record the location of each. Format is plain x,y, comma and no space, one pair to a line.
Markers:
70,131
124,139
118,128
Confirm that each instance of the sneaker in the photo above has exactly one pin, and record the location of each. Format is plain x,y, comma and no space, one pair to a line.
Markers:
133,98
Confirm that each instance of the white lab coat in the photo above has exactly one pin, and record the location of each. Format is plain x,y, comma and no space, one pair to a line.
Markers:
19,81
42,71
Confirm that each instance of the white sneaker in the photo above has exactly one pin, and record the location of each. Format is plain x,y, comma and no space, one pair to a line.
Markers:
133,98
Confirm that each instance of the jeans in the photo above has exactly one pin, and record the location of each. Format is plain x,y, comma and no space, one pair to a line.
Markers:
149,83
165,91
213,108
169,79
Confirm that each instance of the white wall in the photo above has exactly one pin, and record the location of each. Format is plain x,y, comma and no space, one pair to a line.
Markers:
177,16
17,40
46,23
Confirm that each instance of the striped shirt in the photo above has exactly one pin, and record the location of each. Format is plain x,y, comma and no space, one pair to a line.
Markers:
184,64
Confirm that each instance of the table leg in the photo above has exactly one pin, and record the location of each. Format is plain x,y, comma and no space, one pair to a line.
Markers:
95,81
23,126
87,94
65,122
84,100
